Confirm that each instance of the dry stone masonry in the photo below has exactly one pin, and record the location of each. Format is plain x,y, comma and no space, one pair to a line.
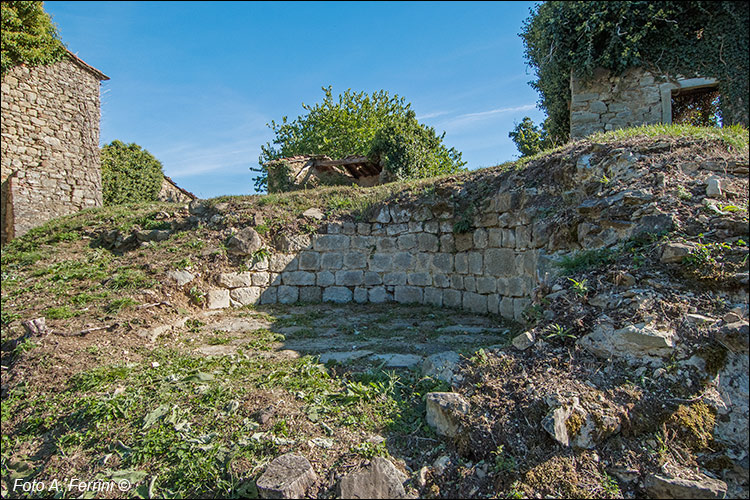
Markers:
50,143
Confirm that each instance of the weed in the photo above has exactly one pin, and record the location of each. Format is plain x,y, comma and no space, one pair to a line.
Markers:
558,332
194,325
370,450
221,337
584,260
61,312
580,287
129,279
24,346
184,263
611,488
480,358
503,462
683,194
118,305
260,255
197,296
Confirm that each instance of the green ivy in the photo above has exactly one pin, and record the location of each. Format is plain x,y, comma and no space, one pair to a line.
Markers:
129,174
28,36
691,39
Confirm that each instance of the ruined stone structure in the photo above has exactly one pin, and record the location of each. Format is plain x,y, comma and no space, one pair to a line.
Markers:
171,192
50,143
637,97
314,170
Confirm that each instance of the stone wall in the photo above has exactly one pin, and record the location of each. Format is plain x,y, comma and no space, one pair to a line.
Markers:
171,192
50,143
406,255
608,102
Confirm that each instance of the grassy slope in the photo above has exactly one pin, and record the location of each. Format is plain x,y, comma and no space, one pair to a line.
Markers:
107,405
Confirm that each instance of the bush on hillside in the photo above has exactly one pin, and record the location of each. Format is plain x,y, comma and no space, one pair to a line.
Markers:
129,174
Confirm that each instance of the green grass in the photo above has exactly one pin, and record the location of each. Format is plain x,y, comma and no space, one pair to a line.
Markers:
735,137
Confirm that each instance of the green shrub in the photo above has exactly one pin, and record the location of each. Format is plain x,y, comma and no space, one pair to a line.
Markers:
129,174
28,36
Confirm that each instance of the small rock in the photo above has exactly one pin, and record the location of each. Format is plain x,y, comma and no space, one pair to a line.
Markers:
198,207
731,317
713,188
287,476
313,213
322,442
421,480
675,252
180,277
659,486
444,411
442,366
441,463
523,341
699,319
245,242
380,479
399,360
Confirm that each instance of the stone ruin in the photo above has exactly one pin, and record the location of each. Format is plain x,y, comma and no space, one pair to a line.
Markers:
302,171
637,97
50,143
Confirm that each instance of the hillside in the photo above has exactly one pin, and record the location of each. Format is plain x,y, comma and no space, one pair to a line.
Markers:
588,306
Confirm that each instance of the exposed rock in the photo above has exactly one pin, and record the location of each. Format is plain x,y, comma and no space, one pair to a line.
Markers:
199,207
313,213
444,411
287,476
35,327
658,486
443,366
675,252
636,343
343,357
380,479
152,235
180,277
572,424
713,187
441,463
699,319
245,242
217,299
523,341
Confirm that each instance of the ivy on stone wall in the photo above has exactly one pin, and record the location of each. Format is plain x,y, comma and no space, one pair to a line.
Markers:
129,174
689,39
28,36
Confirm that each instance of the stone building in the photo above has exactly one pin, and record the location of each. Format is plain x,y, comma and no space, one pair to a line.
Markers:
637,97
50,143
171,192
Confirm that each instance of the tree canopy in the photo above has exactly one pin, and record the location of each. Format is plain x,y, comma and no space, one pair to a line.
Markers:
349,125
129,174
689,39
28,36
528,138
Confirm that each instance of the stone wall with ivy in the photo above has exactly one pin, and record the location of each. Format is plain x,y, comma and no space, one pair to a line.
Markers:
607,102
50,144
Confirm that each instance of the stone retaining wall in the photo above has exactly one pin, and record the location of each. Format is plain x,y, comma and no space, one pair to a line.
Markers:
408,255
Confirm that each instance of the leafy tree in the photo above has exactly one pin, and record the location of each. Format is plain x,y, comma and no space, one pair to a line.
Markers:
129,174
28,36
529,138
690,39
348,126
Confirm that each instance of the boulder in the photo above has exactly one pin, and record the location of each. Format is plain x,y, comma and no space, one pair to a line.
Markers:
658,486
713,187
639,343
180,277
287,476
245,242
313,213
444,412
380,479
675,252
523,341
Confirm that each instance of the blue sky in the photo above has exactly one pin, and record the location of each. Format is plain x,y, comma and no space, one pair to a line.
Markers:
195,83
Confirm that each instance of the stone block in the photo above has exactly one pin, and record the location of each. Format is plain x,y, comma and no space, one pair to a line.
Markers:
392,279
373,278
493,303
234,280
486,284
442,263
363,228
519,306
360,295
330,242
403,261
246,296
470,284
217,299
287,294
283,262
495,237
506,307
332,261
407,294
419,279
385,244
499,262
464,241
380,262
461,263
350,278
406,241
433,296
261,278
447,243
451,298
298,278
310,294
337,294
309,261
480,238
380,479
378,295
475,262
441,280
509,238
325,278
396,229
475,302
363,242
355,260
427,242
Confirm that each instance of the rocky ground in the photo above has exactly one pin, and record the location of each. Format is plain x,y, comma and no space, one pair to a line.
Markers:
627,378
